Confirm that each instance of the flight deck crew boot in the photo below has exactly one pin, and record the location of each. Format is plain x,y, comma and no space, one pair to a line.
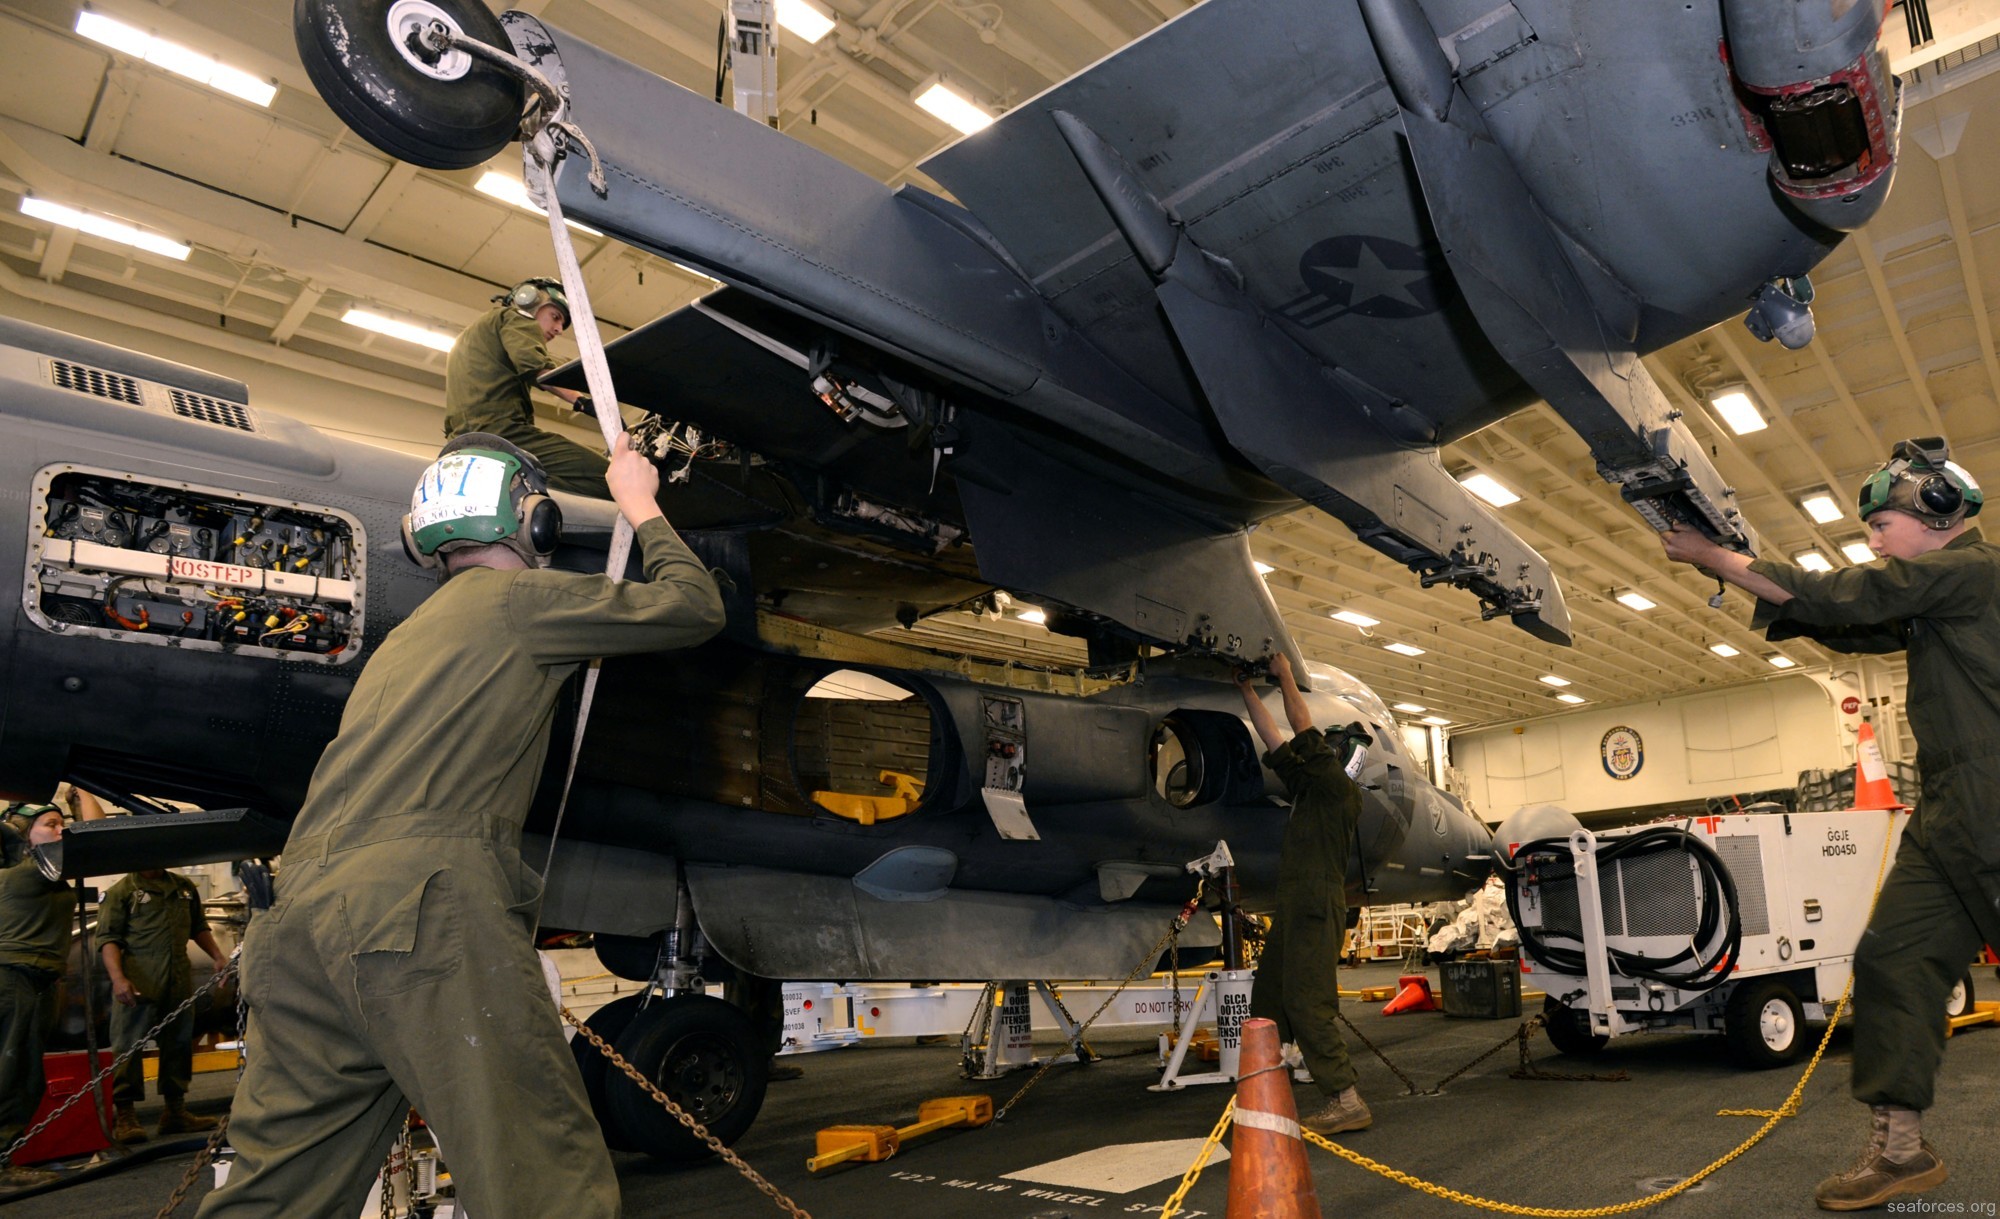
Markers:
1896,1161
127,1128
1340,1114
177,1120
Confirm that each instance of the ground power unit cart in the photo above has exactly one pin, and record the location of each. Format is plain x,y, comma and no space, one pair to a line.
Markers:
1743,925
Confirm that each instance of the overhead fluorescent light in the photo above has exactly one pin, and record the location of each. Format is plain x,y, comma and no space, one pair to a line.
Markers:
511,190
1723,649
953,107
1552,680
1411,708
1738,411
1490,489
1263,568
1822,507
1436,721
1039,617
1353,619
181,61
409,332
1858,552
1571,698
1781,662
1637,601
105,227
1404,649
804,18
1812,560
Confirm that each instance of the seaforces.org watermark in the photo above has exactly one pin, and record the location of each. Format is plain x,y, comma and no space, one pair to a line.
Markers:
1925,1206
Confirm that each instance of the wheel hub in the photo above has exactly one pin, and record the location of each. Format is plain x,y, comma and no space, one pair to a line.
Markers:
1775,1023
409,21
702,1076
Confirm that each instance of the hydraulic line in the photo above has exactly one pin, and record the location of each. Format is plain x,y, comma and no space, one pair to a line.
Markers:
1718,902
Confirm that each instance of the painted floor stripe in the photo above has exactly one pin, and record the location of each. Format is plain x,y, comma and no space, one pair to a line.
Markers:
1121,1167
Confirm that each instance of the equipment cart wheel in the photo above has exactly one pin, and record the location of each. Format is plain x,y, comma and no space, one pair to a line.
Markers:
447,111
707,1056
610,1023
1959,1001
1765,1024
1569,1029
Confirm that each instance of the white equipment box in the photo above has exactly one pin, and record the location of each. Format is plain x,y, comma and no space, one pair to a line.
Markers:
1626,926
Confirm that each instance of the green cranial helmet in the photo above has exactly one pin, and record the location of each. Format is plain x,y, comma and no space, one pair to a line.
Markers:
530,295
1921,479
482,490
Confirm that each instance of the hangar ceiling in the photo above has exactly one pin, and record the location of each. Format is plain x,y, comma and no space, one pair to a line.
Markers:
293,220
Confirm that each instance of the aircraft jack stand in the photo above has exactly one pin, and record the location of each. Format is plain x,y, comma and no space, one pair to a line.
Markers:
1011,1039
1978,1013
1224,997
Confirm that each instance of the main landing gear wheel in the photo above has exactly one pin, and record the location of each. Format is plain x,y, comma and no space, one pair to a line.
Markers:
707,1056
447,111
610,1023
1569,1029
1764,1024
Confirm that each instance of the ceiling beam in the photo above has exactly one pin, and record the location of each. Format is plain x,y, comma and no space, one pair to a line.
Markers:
1968,268
296,313
1780,419
1871,262
55,255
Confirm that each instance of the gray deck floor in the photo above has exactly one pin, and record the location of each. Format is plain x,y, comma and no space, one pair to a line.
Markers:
1534,1143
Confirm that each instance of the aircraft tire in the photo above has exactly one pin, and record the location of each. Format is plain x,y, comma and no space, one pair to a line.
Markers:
707,1056
1764,1024
1568,1030
351,54
610,1023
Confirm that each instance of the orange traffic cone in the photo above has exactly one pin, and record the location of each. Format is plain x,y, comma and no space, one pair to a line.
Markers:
1872,789
1268,1174
1414,996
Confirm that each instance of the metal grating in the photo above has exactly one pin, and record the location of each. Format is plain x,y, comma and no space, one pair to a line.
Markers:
1743,855
211,410
1660,896
1561,914
83,379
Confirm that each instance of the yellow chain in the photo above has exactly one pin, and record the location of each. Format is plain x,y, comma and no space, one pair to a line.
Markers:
1193,1173
1771,1119
683,1116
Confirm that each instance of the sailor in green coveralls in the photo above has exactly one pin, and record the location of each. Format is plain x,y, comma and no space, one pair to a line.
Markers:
1298,983
36,917
494,364
1935,594
144,924
396,967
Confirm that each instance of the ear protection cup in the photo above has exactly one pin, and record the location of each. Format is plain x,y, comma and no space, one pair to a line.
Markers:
542,524
526,297
1940,495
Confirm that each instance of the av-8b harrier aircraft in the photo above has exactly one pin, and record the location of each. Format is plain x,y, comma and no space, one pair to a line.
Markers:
1275,252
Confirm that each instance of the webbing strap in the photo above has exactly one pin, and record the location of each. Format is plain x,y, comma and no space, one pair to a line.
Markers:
541,156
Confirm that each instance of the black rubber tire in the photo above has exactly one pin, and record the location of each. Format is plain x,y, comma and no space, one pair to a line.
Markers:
1765,1024
1959,1001
349,52
707,1056
610,1023
1569,1030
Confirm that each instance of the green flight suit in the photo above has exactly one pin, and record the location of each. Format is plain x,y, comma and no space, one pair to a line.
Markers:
486,381
36,916
152,919
396,967
1941,900
1298,982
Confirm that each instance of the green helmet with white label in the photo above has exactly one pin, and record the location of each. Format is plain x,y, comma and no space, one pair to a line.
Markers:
480,491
